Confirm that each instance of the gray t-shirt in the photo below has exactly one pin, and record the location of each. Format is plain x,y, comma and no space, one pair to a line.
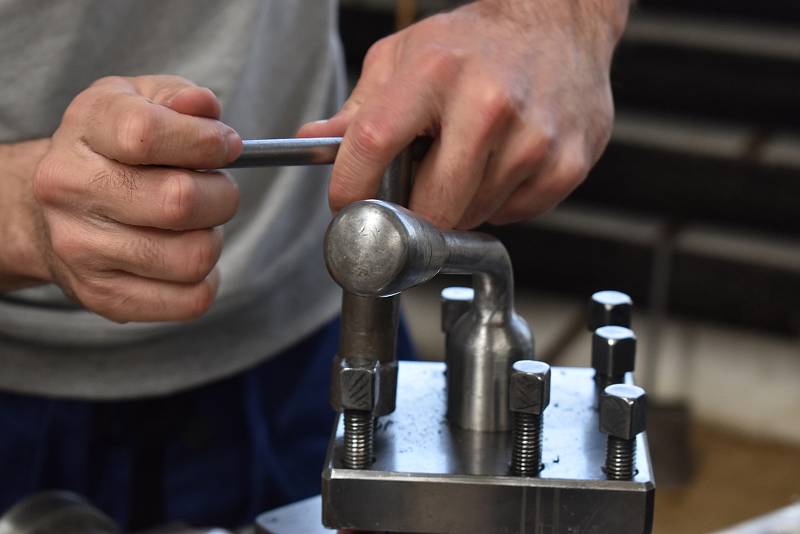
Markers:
275,64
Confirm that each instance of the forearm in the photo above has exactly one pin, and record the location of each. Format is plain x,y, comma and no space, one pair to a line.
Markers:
599,21
21,264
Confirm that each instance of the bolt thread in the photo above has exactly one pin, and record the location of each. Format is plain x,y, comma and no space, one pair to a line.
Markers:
358,439
620,458
526,454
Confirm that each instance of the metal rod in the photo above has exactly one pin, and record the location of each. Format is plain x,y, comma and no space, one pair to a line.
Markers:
282,152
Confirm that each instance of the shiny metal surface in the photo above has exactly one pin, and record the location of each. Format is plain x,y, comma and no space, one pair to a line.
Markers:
374,248
369,324
613,354
623,411
609,308
455,302
285,152
529,395
431,476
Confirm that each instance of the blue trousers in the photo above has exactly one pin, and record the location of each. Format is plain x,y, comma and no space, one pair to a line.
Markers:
216,455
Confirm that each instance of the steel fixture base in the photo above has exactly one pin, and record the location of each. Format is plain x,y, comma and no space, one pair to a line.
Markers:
431,477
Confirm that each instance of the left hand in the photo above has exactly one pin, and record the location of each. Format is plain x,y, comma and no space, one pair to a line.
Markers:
515,93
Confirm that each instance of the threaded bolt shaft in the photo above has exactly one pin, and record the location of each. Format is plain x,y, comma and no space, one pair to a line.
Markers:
620,458
358,439
526,454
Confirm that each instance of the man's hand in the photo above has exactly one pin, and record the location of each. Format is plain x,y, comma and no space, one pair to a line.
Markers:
515,92
123,226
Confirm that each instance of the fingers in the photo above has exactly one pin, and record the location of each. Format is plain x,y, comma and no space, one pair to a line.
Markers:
119,122
375,73
559,177
135,274
157,197
521,157
381,128
122,297
186,257
455,167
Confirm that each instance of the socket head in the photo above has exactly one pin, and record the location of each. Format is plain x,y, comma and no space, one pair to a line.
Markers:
358,380
455,303
613,350
609,308
623,411
529,387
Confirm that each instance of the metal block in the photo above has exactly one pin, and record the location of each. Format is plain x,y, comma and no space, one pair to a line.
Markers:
430,476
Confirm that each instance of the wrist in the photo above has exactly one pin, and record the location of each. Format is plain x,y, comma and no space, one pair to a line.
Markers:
600,22
22,262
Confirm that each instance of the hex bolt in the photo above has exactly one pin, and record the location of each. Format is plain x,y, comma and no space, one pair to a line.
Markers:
609,308
613,355
358,380
623,415
455,303
529,395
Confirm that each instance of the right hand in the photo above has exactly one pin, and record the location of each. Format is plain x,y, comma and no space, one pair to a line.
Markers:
129,231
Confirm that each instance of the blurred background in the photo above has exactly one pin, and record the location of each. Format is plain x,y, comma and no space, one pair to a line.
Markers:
694,210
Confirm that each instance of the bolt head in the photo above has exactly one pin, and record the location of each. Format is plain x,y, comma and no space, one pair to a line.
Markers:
609,308
623,411
529,387
613,350
358,380
455,303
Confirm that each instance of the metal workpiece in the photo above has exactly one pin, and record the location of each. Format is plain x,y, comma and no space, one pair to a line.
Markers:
430,476
613,355
377,249
369,324
529,395
369,332
287,152
623,416
455,302
609,308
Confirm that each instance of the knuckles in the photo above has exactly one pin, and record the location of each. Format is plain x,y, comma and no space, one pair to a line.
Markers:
203,257
370,138
179,202
441,65
135,135
47,180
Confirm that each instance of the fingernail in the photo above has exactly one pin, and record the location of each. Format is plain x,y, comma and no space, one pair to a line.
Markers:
233,144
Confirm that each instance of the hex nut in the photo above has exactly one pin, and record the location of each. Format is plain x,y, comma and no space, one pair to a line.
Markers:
358,380
613,350
529,387
623,411
609,308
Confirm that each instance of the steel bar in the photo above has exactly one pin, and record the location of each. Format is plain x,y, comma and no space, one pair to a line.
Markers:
284,152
